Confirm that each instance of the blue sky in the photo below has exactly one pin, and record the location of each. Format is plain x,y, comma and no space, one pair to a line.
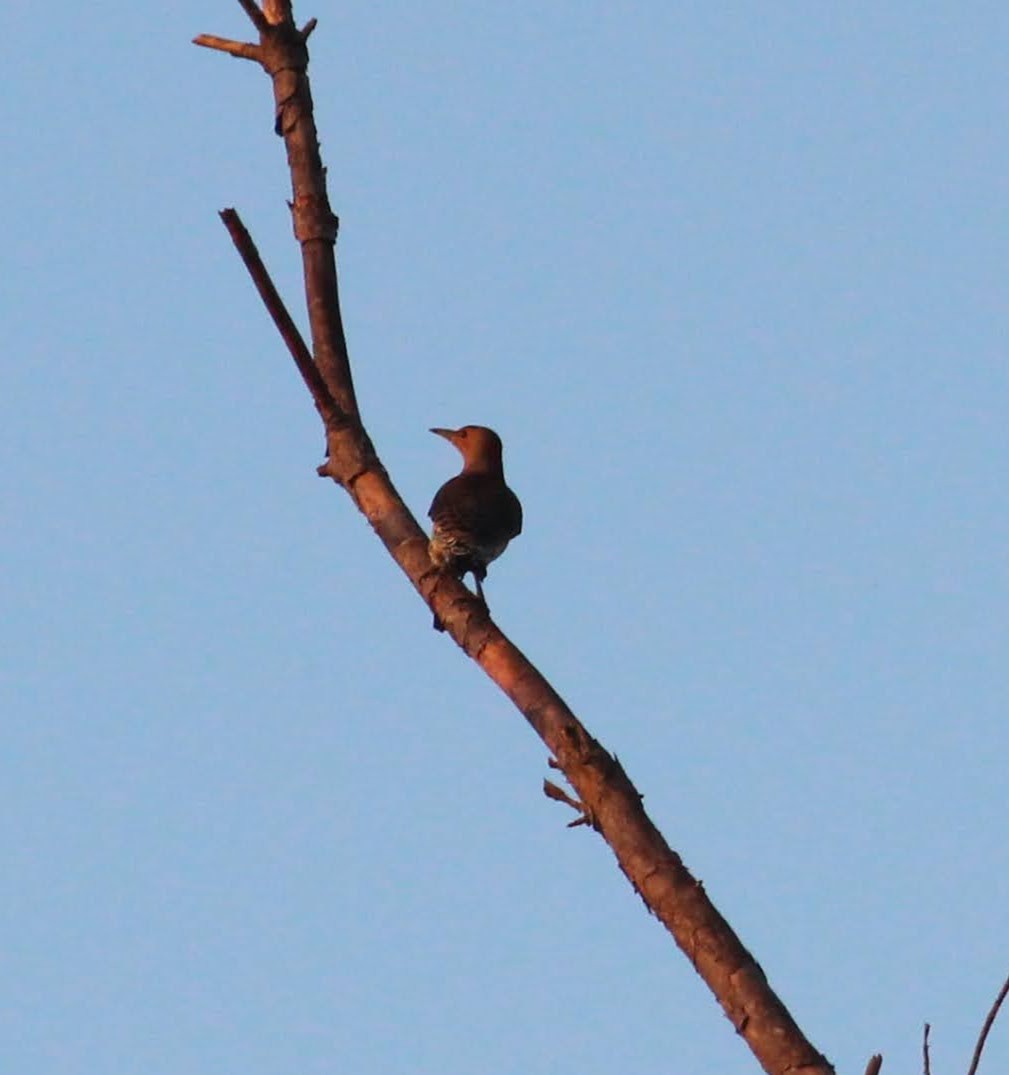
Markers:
730,282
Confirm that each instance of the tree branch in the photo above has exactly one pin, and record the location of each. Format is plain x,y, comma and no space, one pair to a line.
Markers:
241,50
330,413
606,797
256,16
988,1023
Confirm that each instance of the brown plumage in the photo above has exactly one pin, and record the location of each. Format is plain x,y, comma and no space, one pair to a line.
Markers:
475,514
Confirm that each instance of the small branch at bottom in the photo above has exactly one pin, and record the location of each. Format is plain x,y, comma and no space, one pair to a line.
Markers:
989,1021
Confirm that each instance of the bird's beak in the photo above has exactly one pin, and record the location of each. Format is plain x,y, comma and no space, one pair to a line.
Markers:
448,434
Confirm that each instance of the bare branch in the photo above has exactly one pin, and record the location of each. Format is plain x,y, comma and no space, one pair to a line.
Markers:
274,304
606,798
256,16
926,1063
241,50
875,1063
988,1023
552,791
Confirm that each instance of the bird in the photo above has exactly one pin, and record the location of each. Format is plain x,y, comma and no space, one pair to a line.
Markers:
475,514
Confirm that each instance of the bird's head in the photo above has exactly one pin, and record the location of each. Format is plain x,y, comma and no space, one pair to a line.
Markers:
479,446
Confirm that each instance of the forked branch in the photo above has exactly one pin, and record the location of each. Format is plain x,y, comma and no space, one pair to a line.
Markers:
606,798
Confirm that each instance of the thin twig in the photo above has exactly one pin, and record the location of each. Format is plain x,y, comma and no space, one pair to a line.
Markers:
987,1026
552,791
241,50
324,401
924,1051
256,16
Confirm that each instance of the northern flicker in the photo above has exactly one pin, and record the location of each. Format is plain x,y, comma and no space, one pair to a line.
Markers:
475,514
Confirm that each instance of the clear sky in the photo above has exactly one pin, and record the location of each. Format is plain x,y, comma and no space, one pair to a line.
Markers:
730,281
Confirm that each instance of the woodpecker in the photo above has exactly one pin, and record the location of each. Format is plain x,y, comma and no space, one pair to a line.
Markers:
475,514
